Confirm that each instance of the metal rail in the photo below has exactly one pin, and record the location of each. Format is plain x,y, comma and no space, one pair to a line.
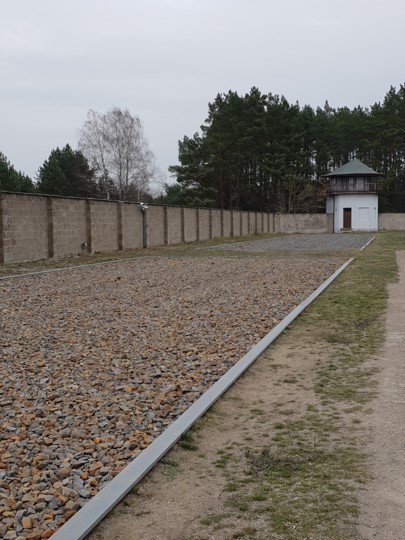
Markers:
367,243
73,267
80,525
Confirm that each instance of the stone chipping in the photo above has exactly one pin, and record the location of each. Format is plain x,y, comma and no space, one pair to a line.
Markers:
302,242
95,362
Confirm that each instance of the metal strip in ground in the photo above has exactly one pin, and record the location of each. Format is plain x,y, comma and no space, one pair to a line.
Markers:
80,525
367,243
50,270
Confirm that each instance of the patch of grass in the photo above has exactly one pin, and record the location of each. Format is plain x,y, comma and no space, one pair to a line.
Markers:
290,380
170,467
231,486
187,441
238,502
213,519
257,411
246,532
223,460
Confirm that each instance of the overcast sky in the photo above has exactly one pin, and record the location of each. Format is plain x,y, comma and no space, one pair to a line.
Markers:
165,60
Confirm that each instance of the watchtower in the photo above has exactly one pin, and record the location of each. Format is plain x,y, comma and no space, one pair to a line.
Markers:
352,197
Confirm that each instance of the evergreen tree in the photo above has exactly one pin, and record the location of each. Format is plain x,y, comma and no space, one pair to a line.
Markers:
260,152
12,180
66,173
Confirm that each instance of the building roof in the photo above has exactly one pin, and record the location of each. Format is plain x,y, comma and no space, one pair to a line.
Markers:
353,168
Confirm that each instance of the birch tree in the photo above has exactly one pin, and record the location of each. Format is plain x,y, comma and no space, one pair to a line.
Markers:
115,146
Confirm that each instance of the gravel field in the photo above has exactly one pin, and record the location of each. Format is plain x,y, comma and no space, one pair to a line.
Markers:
97,361
302,242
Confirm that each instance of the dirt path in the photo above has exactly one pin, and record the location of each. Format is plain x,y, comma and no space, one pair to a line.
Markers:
383,501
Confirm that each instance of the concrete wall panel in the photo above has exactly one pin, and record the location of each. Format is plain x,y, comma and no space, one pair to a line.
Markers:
25,228
391,222
245,223
300,223
156,225
69,226
174,233
252,223
132,226
265,222
227,217
236,222
204,223
216,224
104,225
270,223
190,224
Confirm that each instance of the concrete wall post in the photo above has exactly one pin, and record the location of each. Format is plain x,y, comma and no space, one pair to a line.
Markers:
120,239
49,209
165,227
89,227
197,223
2,229
183,232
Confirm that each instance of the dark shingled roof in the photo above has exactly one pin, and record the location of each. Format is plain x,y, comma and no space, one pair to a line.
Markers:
353,168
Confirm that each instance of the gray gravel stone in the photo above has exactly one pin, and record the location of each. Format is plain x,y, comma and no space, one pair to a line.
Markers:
302,242
95,367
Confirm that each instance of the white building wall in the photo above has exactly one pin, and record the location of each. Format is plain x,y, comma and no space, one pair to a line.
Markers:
364,211
329,205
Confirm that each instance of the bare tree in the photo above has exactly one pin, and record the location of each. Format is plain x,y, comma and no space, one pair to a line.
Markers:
115,146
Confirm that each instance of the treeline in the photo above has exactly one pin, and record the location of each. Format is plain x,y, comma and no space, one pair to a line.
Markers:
113,161
260,152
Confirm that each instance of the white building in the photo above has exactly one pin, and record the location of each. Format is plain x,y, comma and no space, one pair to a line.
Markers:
352,197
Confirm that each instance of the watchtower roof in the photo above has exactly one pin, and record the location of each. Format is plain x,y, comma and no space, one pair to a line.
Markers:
353,168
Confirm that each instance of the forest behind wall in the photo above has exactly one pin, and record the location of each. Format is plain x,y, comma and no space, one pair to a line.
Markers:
258,151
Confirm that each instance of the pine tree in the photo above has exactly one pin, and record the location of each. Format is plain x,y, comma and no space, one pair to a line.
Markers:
66,173
12,180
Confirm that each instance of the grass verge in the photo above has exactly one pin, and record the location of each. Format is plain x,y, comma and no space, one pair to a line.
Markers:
303,481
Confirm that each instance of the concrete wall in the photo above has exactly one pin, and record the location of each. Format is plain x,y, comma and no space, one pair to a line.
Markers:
24,228
236,222
156,225
216,228
36,227
265,222
190,225
227,223
251,223
132,226
69,226
104,225
244,223
391,222
204,220
174,225
298,223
